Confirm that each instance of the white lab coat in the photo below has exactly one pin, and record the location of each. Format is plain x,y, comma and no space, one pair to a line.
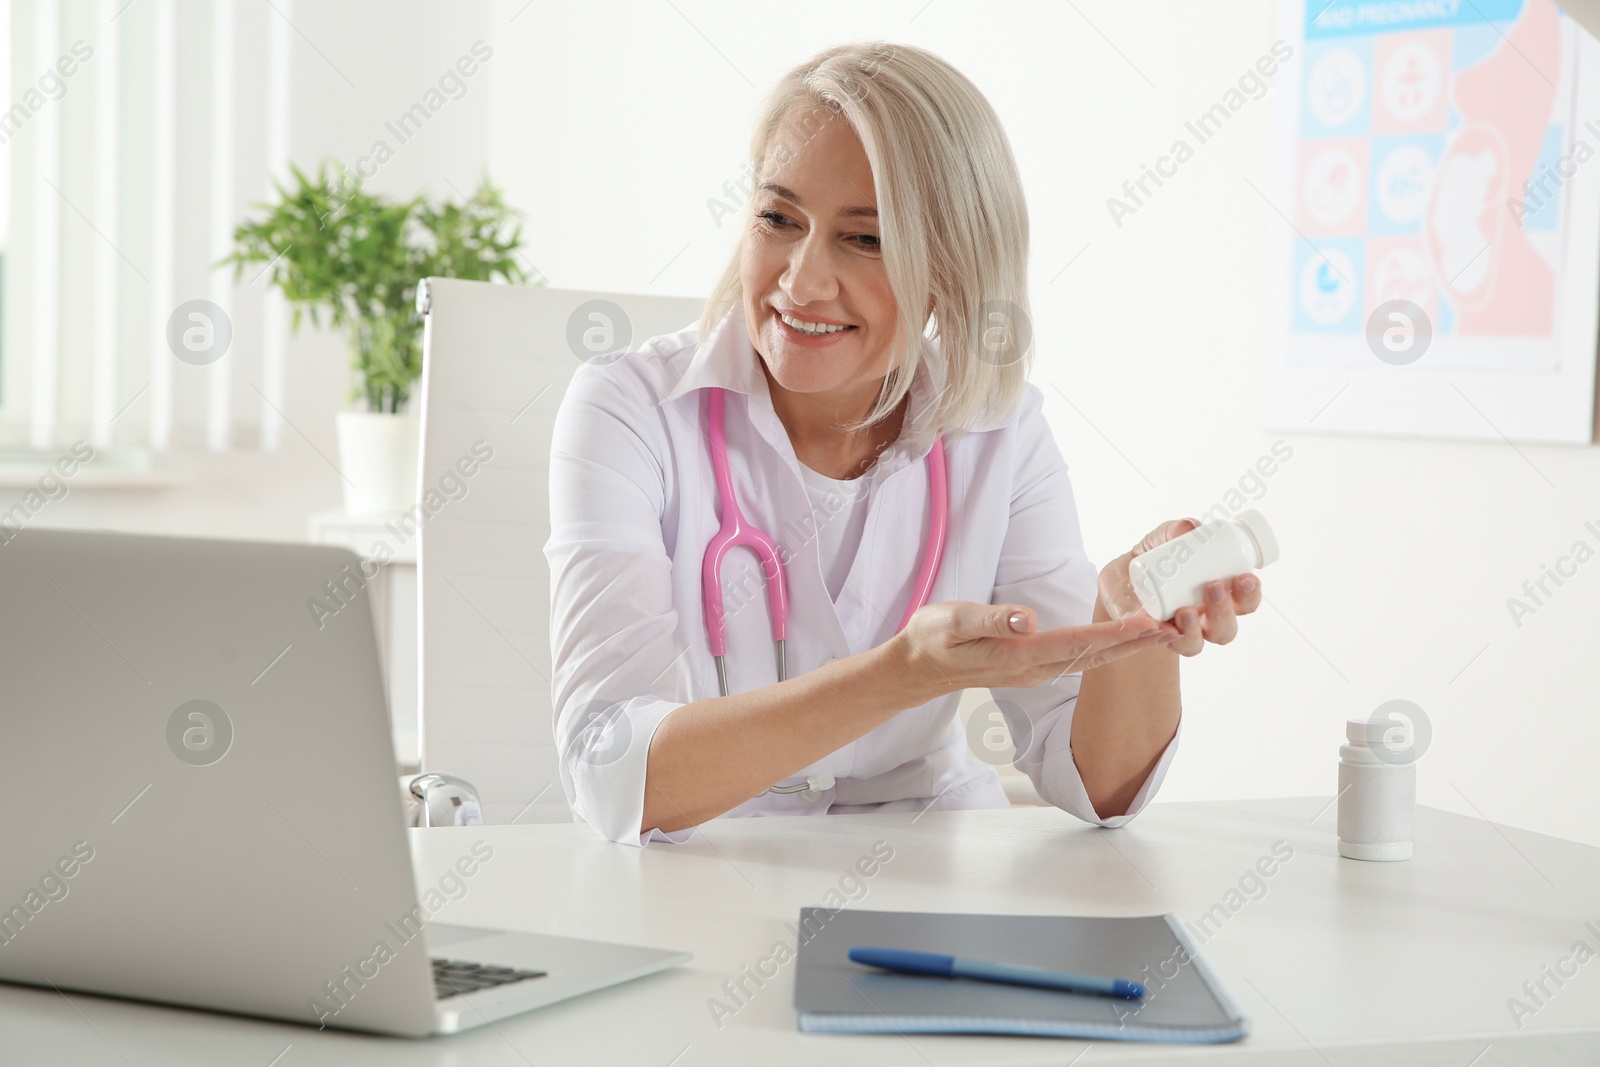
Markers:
633,505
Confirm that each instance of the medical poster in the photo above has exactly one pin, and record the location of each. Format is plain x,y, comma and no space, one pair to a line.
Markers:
1429,164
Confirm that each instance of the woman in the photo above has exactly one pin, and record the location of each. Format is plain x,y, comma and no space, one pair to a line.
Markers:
886,202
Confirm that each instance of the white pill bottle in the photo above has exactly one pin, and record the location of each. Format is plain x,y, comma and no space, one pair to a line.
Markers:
1378,782
1174,574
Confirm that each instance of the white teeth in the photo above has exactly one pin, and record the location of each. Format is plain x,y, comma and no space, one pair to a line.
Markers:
814,328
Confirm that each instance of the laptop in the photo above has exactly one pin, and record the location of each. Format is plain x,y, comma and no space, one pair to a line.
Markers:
206,808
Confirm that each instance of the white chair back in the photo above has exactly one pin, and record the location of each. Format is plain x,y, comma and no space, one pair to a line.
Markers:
496,362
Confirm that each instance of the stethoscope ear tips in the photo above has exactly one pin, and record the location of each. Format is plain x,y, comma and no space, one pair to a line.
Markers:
813,787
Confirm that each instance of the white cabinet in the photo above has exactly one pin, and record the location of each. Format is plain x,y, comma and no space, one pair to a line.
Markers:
393,596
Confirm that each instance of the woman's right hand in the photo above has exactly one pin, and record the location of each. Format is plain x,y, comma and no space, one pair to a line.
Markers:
963,645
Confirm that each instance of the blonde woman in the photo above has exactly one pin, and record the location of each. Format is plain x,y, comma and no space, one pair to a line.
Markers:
873,320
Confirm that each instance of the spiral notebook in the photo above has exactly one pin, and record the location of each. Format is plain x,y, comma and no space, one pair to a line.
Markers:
1185,1001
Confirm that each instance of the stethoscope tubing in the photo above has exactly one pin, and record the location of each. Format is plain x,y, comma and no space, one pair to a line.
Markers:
737,531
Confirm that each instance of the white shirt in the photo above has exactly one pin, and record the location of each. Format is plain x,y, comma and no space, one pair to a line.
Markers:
633,505
839,509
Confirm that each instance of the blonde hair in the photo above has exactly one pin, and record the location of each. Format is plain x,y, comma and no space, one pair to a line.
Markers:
952,221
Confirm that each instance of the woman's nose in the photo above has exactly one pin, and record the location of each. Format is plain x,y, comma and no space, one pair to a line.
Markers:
810,276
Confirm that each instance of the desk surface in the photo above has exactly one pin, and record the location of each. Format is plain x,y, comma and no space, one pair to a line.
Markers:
1336,961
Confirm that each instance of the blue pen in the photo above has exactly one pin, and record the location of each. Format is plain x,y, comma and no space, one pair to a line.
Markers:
894,959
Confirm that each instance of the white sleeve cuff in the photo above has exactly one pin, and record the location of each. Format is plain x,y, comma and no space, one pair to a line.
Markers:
603,763
1060,782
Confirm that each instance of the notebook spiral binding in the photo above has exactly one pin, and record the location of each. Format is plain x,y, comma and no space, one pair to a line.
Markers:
1203,968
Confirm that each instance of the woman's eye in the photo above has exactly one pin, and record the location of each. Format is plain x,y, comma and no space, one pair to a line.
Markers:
868,242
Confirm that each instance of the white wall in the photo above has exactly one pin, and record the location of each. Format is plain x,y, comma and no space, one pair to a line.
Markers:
613,124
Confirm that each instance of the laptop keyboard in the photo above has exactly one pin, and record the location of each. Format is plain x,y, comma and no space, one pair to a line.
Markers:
453,977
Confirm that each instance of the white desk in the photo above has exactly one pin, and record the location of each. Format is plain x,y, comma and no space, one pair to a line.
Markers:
1339,962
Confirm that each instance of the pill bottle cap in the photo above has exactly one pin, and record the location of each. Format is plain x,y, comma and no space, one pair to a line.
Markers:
1367,731
1255,524
1375,732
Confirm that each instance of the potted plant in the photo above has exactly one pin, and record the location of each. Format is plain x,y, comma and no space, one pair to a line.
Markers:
356,257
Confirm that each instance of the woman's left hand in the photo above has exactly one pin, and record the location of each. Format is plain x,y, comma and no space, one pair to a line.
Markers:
1217,620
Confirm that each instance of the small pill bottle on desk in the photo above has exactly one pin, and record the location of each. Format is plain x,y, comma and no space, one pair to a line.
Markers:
1377,792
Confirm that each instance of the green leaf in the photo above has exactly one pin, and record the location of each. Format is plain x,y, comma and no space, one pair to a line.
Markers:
336,250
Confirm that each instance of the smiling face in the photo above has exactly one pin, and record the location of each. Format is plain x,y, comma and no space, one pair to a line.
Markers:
812,256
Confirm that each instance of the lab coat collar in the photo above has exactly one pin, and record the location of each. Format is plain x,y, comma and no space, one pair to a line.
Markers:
728,359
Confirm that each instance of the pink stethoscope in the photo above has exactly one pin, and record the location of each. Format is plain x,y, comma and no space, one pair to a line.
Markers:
737,530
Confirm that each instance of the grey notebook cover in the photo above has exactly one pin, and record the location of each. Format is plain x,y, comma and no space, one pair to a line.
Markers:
1184,1001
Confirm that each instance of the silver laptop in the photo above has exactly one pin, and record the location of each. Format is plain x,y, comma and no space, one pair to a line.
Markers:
205,807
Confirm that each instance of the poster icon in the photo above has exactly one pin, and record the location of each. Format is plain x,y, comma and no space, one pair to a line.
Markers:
1337,87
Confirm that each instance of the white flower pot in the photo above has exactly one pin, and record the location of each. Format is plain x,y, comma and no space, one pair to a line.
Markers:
378,458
